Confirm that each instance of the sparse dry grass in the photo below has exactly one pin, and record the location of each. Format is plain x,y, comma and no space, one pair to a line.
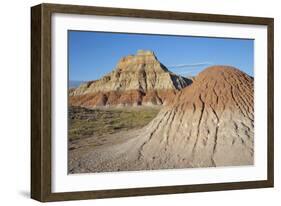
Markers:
85,123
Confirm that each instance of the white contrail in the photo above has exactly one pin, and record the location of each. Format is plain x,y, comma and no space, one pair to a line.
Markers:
189,72
190,65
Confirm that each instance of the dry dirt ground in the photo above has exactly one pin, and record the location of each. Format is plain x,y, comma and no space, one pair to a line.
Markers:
97,129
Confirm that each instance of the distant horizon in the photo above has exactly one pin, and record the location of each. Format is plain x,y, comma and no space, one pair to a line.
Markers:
183,55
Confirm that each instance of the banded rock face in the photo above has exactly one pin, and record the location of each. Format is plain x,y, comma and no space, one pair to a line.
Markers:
209,123
137,80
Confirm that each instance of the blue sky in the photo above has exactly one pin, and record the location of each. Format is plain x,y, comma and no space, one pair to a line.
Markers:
93,54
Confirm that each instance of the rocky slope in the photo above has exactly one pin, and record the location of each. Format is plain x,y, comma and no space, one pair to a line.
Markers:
209,123
137,80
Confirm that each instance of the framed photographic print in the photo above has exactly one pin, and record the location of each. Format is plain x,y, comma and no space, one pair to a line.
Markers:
130,102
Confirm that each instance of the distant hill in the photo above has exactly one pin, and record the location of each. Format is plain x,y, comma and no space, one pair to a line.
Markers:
74,84
138,79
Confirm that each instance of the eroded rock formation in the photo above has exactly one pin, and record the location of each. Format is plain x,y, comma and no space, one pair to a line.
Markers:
137,80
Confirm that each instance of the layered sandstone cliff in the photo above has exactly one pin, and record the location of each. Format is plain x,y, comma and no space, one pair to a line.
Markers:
137,80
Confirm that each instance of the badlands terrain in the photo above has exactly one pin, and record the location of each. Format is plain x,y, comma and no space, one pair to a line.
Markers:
141,116
137,80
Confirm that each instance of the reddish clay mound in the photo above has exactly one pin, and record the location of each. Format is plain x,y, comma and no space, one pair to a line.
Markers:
219,88
209,123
